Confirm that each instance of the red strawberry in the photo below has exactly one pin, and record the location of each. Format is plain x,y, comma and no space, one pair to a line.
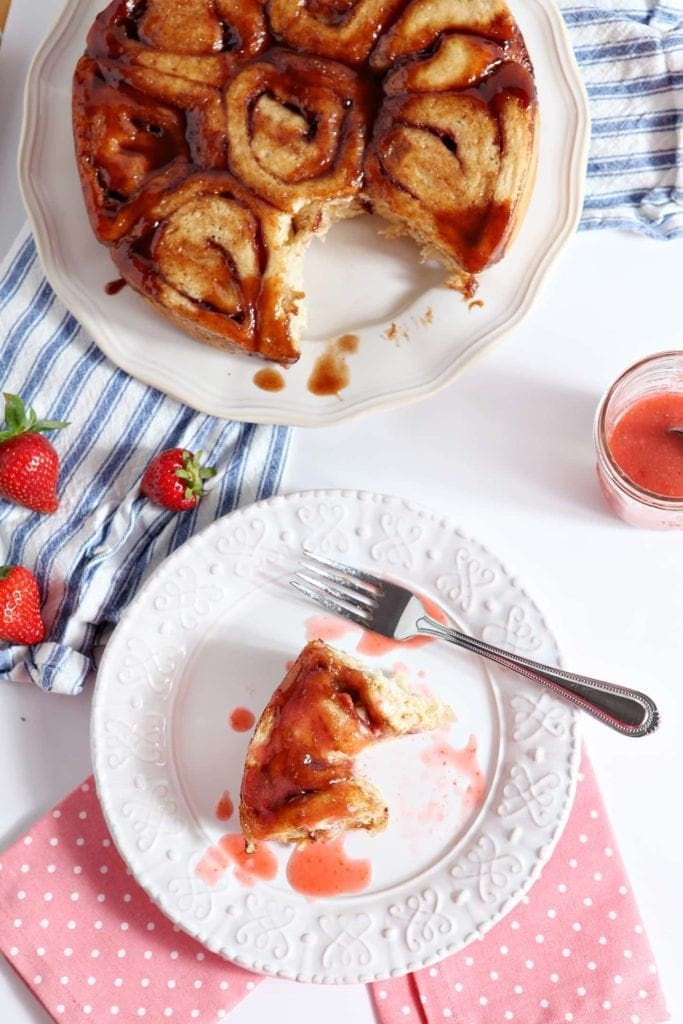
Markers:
20,620
28,463
174,479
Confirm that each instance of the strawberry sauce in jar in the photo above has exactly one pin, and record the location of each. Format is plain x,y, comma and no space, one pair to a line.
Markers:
639,448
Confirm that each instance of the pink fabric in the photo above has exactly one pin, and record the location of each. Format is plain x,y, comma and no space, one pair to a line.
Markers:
574,949
87,939
84,937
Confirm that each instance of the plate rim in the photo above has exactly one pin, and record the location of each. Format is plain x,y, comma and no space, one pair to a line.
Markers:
143,878
257,408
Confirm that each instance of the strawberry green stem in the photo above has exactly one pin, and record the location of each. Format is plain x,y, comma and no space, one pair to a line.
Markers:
194,475
20,420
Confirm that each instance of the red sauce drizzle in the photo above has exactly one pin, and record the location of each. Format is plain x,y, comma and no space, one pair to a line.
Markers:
374,645
466,763
324,869
224,806
326,627
261,865
269,379
330,374
114,287
241,719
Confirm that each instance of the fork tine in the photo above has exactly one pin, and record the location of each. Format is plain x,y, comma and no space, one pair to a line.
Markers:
332,606
347,570
359,602
355,590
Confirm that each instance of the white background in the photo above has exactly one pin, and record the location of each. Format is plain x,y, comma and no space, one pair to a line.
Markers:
506,451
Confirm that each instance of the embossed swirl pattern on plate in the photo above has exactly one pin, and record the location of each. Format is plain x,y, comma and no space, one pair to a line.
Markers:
446,904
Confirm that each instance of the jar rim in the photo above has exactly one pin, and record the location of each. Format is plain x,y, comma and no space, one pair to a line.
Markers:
619,478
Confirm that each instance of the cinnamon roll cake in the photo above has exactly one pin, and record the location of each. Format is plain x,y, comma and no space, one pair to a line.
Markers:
215,138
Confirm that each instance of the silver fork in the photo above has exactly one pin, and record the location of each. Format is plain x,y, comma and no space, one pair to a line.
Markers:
397,613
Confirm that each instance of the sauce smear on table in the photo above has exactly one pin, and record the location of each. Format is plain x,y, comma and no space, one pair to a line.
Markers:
643,448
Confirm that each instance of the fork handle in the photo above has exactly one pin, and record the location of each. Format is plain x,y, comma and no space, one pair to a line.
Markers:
628,711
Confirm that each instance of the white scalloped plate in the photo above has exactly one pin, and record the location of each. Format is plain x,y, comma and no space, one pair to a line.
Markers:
414,335
213,630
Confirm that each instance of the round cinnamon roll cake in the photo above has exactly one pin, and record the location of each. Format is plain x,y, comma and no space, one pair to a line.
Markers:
214,138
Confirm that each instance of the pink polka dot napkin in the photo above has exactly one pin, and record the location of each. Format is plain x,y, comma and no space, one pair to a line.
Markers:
90,944
572,952
87,939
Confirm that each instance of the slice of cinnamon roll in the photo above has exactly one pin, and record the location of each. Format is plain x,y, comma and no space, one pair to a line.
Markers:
424,22
300,783
220,263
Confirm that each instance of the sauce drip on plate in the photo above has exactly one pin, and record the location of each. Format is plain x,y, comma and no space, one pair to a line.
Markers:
330,374
325,869
241,719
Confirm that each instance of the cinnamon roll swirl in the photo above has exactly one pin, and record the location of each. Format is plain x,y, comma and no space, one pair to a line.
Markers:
184,28
344,30
297,130
219,263
214,137
452,167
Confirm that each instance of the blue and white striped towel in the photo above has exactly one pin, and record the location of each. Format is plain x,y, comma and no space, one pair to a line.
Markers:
631,61
90,556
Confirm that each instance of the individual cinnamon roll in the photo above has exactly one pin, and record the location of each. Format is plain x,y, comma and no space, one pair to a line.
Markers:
123,138
453,168
219,263
344,30
297,129
186,28
424,22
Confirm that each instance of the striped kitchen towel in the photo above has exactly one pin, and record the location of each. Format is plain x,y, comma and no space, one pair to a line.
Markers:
631,60
90,556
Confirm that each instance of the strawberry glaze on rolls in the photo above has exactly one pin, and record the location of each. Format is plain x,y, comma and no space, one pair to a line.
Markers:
297,130
214,138
453,154
207,255
185,27
344,30
453,165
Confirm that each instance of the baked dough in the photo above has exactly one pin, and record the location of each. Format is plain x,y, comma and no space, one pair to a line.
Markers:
214,138
299,783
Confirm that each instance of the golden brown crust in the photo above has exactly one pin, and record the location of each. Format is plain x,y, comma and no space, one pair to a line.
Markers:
299,782
423,110
207,255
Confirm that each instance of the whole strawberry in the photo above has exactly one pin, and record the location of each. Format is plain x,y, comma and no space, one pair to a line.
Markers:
20,620
29,465
175,479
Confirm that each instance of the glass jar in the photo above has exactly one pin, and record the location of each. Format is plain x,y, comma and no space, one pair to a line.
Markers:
660,374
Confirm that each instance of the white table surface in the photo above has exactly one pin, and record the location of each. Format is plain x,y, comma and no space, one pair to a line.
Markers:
506,450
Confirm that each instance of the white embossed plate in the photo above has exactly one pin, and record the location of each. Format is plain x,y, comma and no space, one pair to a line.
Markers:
475,809
415,336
